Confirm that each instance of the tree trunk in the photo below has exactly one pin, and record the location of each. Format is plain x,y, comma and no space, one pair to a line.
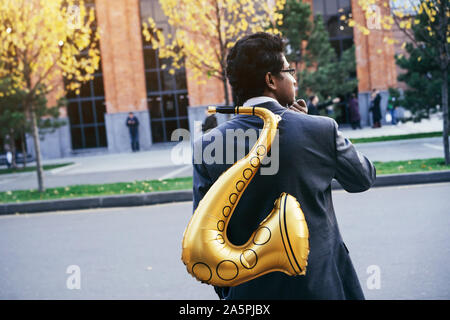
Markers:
225,90
24,151
37,150
445,115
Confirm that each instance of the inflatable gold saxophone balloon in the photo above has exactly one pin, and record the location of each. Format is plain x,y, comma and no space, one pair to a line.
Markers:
280,243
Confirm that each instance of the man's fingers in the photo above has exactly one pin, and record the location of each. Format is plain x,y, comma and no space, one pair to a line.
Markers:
302,103
300,106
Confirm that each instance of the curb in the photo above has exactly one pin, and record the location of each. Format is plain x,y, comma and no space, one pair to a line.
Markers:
186,195
97,202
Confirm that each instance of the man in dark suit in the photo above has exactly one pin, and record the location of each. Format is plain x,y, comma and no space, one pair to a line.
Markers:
133,126
375,108
311,153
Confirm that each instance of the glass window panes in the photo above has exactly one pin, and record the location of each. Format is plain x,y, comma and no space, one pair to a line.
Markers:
151,78
149,58
98,86
166,93
87,112
171,126
318,7
102,136
77,141
146,9
167,81
70,94
169,106
85,90
333,26
183,104
180,78
346,44
331,7
90,136
73,112
100,110
344,4
184,123
157,131
158,12
154,104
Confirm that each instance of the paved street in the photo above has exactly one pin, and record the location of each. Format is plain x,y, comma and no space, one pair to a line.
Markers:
134,253
174,160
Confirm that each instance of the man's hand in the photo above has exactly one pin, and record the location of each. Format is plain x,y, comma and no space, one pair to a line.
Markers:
299,106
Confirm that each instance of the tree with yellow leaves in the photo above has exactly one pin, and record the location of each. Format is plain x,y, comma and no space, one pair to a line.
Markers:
425,23
43,42
206,29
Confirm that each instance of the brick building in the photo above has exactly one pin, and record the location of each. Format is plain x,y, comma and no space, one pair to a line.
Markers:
131,78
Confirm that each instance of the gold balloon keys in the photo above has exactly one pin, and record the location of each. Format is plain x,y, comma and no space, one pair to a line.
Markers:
281,241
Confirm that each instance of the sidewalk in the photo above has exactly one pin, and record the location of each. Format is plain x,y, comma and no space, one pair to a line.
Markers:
169,160
433,124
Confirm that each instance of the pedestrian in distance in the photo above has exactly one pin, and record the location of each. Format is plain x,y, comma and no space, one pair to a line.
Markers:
314,107
375,108
355,117
210,122
311,153
133,127
8,154
391,108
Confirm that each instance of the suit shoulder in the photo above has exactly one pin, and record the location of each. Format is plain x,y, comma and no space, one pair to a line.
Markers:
310,122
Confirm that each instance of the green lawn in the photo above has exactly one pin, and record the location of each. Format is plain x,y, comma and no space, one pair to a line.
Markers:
398,137
395,167
79,191
186,183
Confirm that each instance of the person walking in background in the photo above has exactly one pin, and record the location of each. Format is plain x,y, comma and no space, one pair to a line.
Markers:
133,126
314,106
8,154
355,117
375,108
391,109
210,122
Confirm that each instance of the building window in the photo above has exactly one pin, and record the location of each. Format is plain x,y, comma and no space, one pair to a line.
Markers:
341,35
86,111
167,96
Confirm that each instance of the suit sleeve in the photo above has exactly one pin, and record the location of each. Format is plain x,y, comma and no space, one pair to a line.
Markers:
201,180
201,184
354,171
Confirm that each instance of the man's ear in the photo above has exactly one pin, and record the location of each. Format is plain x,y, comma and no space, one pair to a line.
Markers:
270,83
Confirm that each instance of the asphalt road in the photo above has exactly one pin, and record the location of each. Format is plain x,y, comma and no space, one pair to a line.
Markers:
161,163
399,234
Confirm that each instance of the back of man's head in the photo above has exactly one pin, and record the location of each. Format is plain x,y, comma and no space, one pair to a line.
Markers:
249,61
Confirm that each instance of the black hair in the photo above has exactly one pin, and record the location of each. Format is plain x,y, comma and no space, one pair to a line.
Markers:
249,61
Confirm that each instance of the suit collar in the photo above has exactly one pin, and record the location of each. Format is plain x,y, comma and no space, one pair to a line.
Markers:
265,102
273,106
